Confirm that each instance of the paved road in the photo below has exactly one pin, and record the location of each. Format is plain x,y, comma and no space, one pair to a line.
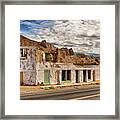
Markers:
69,94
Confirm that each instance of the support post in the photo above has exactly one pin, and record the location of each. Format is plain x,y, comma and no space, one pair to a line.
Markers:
65,74
73,76
81,75
78,76
60,76
86,77
91,75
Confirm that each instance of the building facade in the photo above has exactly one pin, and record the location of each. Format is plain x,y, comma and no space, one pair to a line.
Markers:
36,68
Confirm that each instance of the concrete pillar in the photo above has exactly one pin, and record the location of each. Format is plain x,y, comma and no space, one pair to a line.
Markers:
91,75
81,75
86,77
39,76
73,76
78,76
65,74
60,76
57,73
52,77
36,82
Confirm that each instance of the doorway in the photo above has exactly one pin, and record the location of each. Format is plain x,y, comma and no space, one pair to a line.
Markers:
89,74
84,75
47,76
66,75
21,78
63,75
76,71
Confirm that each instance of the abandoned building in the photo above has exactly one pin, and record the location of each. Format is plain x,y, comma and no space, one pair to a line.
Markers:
39,65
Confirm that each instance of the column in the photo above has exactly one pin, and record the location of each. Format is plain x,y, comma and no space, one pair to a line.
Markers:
52,77
60,76
36,82
91,75
73,76
39,76
81,75
65,74
78,76
86,77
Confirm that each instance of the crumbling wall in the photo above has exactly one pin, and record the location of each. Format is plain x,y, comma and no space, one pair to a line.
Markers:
29,62
27,66
39,55
73,76
29,77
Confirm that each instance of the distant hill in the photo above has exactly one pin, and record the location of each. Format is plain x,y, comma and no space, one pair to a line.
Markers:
90,54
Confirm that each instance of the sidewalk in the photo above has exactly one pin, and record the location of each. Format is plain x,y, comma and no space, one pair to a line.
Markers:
71,84
30,90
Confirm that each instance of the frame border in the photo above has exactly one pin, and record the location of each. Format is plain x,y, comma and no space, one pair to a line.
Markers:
55,2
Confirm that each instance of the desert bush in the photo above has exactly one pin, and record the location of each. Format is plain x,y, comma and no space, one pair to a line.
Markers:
46,88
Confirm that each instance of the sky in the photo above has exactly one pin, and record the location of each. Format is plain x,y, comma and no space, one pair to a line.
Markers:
83,36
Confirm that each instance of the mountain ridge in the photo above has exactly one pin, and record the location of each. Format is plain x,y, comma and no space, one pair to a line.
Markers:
62,55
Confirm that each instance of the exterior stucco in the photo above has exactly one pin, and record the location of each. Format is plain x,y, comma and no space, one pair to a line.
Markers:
34,66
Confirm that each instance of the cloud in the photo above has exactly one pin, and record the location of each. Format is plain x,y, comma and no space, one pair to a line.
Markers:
81,35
